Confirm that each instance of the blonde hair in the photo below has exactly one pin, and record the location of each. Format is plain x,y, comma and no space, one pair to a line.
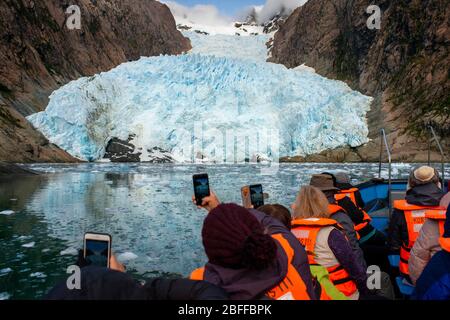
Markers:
311,203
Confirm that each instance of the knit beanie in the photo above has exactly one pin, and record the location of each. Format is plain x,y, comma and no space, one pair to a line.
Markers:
234,238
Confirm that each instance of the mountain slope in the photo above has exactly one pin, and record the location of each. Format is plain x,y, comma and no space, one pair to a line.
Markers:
405,65
38,54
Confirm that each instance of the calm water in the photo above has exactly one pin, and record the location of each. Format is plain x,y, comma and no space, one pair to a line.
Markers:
146,208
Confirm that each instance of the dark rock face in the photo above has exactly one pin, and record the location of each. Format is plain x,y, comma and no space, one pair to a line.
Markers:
38,54
158,155
275,23
124,151
121,151
405,65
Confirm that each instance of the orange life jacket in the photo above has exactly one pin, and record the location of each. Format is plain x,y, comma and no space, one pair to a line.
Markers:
350,193
445,243
292,287
415,218
333,208
306,231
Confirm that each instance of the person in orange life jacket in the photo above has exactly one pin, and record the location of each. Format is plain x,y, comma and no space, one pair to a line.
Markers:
326,243
252,255
323,286
434,282
342,182
423,195
427,243
325,183
372,242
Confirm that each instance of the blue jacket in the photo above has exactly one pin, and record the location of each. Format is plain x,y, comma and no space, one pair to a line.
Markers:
434,282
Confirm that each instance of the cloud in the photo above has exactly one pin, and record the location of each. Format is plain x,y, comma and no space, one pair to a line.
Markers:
202,14
272,7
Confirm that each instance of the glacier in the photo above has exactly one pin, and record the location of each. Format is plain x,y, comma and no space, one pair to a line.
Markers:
222,86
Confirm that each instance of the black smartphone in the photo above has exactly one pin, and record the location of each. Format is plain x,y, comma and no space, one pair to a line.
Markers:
97,249
257,195
201,187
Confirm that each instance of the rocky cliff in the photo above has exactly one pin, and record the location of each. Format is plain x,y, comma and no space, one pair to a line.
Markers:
38,54
405,65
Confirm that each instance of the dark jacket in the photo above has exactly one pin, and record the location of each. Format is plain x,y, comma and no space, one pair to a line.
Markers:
421,195
346,257
99,283
434,282
347,224
244,284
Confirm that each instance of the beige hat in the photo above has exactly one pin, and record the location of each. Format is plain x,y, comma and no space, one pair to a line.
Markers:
424,174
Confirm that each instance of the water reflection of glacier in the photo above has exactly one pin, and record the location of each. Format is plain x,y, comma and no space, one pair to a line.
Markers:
147,209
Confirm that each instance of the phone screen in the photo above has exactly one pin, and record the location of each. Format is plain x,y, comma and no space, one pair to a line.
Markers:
257,195
201,187
97,252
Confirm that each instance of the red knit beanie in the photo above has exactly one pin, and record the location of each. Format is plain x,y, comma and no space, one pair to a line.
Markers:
233,238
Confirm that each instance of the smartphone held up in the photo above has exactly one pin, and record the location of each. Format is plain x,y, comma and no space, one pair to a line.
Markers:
252,196
97,249
201,187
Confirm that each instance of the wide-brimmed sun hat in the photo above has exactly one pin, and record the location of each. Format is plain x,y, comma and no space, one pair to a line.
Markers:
324,182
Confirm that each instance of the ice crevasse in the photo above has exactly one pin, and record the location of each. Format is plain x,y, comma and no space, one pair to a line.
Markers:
157,101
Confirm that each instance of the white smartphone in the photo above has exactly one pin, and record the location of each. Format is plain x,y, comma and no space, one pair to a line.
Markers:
97,249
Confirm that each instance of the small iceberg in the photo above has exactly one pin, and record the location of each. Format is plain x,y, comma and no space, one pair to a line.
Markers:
7,212
4,295
29,245
69,252
126,256
5,270
39,275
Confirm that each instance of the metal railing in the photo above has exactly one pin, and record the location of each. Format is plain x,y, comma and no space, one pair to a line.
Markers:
436,140
384,143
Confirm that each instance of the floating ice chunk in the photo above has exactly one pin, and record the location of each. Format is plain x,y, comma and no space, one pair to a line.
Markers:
39,275
45,250
126,256
29,245
5,270
69,252
4,295
7,212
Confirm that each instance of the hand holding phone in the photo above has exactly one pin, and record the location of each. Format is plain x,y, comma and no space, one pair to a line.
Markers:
252,196
209,203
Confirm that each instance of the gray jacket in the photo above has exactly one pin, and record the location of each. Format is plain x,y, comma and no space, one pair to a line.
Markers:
426,245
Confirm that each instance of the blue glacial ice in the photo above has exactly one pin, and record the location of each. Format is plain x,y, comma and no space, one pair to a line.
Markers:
223,86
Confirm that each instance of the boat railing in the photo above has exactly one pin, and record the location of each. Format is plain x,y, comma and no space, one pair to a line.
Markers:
385,146
434,138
